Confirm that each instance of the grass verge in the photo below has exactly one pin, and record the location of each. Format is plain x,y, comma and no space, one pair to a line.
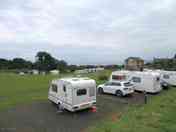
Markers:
159,115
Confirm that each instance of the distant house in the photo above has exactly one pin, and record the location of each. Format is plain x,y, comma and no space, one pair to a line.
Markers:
134,64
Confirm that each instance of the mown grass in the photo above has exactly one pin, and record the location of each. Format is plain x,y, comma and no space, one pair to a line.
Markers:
159,115
17,90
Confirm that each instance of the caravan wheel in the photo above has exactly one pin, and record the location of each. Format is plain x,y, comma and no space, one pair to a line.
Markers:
100,91
60,107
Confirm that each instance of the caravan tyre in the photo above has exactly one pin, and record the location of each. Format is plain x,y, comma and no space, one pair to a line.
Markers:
119,93
100,91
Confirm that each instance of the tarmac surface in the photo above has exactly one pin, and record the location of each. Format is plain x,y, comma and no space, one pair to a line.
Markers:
44,117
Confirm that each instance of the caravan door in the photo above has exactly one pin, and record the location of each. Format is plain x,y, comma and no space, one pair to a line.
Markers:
137,81
68,93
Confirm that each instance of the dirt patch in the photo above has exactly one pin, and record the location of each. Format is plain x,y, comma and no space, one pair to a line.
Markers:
44,117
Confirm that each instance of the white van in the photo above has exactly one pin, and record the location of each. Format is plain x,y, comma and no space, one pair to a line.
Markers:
73,94
146,81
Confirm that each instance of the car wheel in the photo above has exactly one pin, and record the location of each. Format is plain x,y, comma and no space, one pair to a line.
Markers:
119,93
100,91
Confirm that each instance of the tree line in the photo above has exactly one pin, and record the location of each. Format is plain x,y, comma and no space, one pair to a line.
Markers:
163,63
44,61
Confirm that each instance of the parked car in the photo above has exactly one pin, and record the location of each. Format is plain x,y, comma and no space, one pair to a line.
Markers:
117,88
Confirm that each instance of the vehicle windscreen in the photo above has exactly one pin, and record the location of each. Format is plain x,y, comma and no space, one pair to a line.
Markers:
127,84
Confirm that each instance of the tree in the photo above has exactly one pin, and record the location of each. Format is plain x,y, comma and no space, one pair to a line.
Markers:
62,65
45,62
72,68
4,64
19,63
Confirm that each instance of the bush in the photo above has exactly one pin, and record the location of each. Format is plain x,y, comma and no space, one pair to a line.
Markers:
103,77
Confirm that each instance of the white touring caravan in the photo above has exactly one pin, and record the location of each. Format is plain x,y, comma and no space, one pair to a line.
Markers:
119,76
146,81
169,77
73,94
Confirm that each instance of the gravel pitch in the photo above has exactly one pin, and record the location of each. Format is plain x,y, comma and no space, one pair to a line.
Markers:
44,117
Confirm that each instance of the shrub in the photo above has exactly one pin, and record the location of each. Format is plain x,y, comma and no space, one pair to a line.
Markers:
103,77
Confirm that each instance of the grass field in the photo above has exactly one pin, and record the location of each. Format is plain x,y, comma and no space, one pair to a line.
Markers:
159,115
16,89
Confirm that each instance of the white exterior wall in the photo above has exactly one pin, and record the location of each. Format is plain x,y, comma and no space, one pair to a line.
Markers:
69,99
148,82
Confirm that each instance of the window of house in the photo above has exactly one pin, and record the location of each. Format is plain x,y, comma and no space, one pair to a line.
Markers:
136,79
54,88
81,92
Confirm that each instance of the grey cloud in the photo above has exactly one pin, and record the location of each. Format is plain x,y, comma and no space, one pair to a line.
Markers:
88,31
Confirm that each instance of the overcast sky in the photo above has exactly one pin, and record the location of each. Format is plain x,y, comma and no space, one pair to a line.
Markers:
88,31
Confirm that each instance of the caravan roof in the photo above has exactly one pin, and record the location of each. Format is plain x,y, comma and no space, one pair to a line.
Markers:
120,72
153,73
75,80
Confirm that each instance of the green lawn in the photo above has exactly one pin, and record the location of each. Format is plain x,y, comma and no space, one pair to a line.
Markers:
159,115
17,90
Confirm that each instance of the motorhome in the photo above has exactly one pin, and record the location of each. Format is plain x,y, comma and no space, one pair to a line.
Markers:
169,77
146,81
73,94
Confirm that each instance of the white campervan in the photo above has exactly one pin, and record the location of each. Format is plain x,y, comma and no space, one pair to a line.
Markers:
73,94
146,81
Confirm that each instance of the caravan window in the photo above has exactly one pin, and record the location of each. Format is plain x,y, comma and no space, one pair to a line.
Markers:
54,88
136,79
165,76
81,92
